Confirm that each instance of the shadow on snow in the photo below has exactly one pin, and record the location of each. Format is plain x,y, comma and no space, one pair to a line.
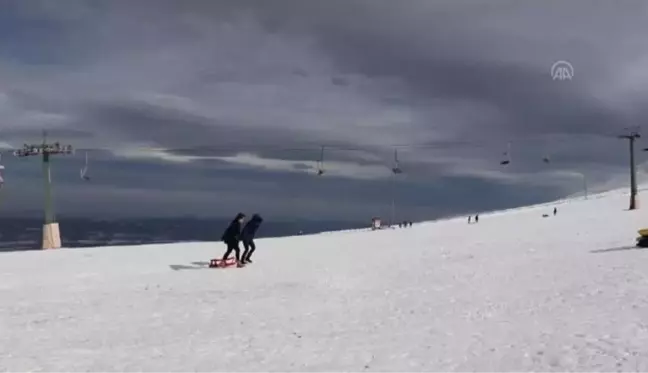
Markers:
622,248
196,265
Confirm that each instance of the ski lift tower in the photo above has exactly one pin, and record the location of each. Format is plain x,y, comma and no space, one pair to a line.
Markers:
51,232
632,137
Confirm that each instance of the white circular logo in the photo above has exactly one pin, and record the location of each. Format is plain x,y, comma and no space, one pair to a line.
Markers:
562,70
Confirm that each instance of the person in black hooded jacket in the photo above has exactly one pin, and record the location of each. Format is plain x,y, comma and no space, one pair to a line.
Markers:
232,236
247,236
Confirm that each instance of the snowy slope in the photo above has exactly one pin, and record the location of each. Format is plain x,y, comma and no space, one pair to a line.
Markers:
514,292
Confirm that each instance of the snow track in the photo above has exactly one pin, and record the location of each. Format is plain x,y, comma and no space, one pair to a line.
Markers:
515,292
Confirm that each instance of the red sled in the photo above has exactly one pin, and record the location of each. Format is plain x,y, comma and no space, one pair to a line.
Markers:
219,263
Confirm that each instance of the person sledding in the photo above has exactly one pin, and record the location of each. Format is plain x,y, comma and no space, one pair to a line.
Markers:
231,237
247,237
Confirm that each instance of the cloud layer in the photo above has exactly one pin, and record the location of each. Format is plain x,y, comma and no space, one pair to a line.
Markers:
242,94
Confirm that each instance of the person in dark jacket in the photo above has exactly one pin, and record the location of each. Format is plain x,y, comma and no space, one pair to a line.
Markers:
247,236
232,236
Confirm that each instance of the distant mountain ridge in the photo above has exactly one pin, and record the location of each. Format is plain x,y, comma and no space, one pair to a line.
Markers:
25,233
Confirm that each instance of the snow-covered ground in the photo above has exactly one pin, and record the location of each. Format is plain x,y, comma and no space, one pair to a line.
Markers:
514,292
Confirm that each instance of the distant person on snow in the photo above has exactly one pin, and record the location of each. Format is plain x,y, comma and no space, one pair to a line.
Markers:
476,218
247,236
231,237
555,211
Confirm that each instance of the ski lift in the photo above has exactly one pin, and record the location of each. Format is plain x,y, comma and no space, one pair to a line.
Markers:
84,170
320,164
507,154
396,169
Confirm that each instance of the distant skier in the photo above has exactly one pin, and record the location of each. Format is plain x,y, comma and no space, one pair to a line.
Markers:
247,236
231,237
469,219
477,218
555,211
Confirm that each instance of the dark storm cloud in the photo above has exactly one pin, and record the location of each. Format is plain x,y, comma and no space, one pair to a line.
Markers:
182,130
210,80
453,53
446,62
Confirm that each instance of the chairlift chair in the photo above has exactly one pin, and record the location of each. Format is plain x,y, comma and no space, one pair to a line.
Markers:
396,169
1,168
320,163
507,154
84,170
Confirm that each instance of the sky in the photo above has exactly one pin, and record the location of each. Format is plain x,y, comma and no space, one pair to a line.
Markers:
208,108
